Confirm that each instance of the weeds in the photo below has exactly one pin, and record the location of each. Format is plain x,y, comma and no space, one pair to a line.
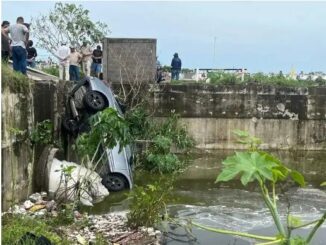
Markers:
148,204
14,227
52,70
223,78
15,81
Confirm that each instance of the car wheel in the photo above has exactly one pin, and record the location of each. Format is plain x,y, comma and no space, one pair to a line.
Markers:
94,101
69,124
114,182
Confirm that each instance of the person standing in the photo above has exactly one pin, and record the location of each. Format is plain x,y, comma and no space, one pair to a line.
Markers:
74,60
31,54
62,54
97,61
5,41
175,67
19,35
87,53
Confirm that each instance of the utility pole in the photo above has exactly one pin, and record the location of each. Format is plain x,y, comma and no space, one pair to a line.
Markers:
214,61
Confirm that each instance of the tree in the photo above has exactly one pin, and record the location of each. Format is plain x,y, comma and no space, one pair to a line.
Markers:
67,23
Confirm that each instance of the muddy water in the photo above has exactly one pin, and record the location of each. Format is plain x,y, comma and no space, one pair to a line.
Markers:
231,206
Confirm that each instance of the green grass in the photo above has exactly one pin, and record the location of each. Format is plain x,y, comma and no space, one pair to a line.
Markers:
14,227
53,70
15,81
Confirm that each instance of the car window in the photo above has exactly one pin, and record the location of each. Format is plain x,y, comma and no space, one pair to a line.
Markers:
117,106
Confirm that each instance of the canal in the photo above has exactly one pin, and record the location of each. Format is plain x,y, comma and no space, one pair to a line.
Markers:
230,205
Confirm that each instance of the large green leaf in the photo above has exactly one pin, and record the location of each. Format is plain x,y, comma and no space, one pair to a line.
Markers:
249,165
298,178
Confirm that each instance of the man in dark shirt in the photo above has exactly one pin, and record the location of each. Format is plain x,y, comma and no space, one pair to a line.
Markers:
5,45
175,67
97,61
31,54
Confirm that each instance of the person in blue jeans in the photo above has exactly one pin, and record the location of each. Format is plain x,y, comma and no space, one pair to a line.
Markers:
175,67
19,34
74,60
31,54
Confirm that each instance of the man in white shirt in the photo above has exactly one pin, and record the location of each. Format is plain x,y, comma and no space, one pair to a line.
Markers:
19,36
63,53
87,53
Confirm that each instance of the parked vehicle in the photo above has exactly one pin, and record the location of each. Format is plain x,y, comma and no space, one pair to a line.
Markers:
85,99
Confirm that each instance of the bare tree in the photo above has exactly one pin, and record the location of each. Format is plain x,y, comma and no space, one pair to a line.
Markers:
134,79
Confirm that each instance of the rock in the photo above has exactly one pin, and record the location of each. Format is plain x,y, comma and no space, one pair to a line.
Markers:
51,205
41,202
54,213
37,207
35,197
28,204
77,215
40,213
81,240
44,194
150,230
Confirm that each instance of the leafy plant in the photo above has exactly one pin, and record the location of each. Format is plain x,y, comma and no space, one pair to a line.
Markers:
42,133
162,137
107,129
159,158
177,133
266,170
147,204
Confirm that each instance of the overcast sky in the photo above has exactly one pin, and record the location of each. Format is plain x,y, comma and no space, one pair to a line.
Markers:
259,36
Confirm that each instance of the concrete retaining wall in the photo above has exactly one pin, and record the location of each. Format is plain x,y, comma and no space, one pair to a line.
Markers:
22,173
284,118
16,154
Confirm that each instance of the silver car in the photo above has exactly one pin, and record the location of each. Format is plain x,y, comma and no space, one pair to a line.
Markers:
86,98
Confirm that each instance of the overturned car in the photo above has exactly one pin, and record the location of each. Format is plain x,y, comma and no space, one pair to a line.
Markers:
87,97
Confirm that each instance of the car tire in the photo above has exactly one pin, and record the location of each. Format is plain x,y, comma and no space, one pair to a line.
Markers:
69,124
94,101
114,182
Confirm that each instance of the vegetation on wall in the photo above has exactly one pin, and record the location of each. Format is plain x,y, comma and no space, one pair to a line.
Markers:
16,82
223,78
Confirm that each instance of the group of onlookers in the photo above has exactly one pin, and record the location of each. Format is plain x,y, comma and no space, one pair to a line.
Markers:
17,47
70,60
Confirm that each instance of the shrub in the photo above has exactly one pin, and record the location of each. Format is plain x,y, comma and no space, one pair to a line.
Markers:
52,70
147,204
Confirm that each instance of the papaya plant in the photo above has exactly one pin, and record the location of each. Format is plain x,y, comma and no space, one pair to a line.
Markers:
266,170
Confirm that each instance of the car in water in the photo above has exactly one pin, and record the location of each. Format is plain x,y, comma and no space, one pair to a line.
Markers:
88,96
